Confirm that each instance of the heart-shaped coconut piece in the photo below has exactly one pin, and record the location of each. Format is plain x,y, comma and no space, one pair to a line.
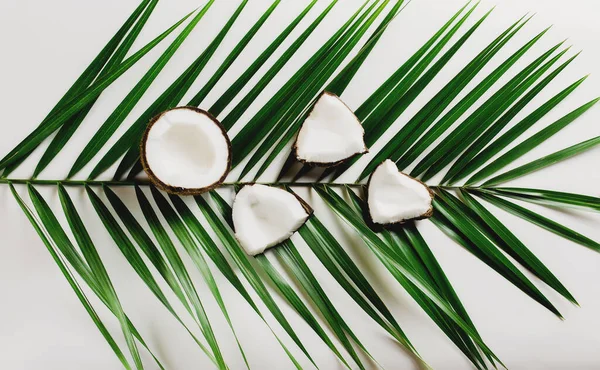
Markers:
186,150
330,135
264,216
394,197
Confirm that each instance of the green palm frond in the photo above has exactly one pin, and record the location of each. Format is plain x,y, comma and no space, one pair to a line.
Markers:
68,129
464,129
70,279
75,103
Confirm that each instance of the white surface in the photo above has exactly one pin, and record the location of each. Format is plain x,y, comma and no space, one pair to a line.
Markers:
264,216
331,133
395,197
46,44
187,149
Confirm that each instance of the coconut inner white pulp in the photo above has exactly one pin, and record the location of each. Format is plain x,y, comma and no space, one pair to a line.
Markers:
330,133
395,197
187,149
264,216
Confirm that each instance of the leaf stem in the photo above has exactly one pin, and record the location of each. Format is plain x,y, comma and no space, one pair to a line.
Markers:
145,182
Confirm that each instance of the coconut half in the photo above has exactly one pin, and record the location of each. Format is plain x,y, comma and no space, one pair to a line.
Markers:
330,135
185,150
264,216
394,197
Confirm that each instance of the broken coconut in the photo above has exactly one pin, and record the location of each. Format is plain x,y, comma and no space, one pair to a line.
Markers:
264,216
185,150
394,197
330,135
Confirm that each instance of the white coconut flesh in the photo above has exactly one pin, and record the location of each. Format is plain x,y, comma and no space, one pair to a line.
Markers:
331,133
395,197
264,216
187,148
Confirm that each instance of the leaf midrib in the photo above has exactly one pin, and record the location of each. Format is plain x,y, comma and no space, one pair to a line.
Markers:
84,183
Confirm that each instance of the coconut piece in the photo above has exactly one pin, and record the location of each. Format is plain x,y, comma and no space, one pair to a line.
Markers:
264,216
330,135
185,150
394,197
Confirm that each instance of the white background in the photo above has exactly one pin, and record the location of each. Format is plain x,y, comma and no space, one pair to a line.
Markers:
46,44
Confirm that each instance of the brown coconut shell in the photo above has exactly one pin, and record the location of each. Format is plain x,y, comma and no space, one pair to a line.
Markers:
177,189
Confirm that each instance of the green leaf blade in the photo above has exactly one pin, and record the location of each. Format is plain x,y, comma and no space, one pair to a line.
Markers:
71,280
452,209
117,117
506,240
230,243
468,161
92,70
74,105
549,197
68,129
520,128
539,220
543,162
474,124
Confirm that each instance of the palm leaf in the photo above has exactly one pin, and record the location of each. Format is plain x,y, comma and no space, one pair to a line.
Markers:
538,220
294,300
185,238
326,308
130,101
79,101
481,241
549,197
94,274
308,281
63,242
506,240
395,263
514,132
435,106
243,263
71,280
418,62
413,247
339,84
283,133
101,61
213,252
145,243
482,117
291,95
173,95
531,142
378,111
545,161
68,129
136,261
466,162
465,145
131,158
346,273
292,259
455,327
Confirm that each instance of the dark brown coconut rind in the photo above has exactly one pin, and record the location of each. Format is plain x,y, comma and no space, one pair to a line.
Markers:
306,206
326,164
425,215
177,189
